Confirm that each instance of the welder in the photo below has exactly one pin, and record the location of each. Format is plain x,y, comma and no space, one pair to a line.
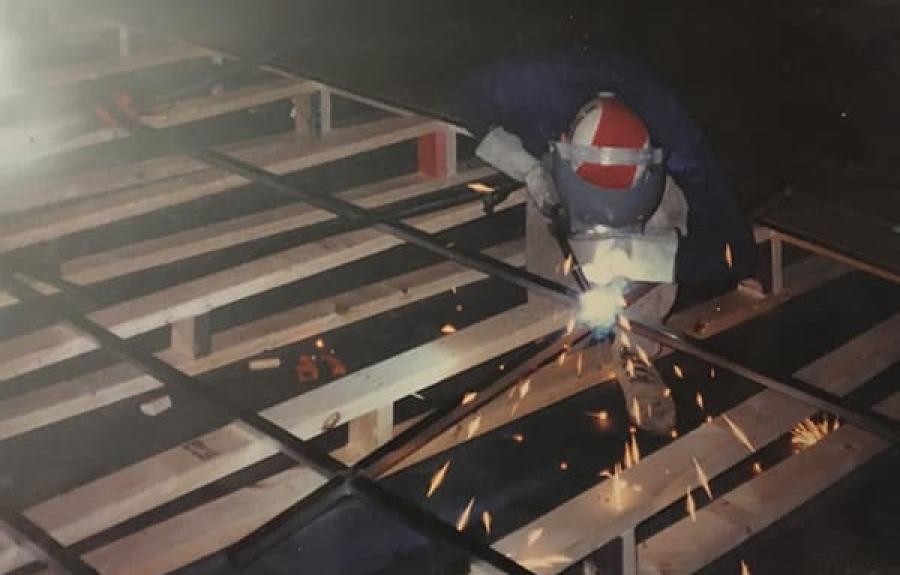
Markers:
621,182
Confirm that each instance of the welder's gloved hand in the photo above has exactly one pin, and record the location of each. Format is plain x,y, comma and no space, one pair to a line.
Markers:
647,257
505,152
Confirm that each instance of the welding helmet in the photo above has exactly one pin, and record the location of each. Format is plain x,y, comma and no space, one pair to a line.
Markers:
606,172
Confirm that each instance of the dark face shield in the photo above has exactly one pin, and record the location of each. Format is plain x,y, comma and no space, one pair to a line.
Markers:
586,206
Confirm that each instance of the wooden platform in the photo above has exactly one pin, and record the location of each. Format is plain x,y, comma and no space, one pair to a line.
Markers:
40,214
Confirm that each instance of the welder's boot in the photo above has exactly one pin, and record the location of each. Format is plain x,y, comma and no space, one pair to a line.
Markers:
647,398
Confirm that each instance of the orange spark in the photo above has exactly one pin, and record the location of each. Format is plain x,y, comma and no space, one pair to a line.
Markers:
437,479
691,506
469,397
472,427
501,367
699,400
570,326
563,465
459,307
808,432
757,468
744,569
561,359
524,388
464,516
635,410
487,521
320,343
674,434
667,392
643,356
518,437
623,322
728,259
567,265
701,475
447,329
679,373
579,364
534,535
629,367
480,188
712,372
738,433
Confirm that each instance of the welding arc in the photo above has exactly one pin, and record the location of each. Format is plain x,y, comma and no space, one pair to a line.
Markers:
498,269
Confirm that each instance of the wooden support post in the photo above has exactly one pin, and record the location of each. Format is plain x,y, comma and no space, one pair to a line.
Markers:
324,111
777,263
371,430
629,553
124,41
437,153
192,337
302,114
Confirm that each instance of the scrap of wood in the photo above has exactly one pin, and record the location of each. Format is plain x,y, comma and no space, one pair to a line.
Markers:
156,406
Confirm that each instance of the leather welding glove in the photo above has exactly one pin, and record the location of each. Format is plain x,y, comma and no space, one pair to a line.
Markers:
646,257
505,152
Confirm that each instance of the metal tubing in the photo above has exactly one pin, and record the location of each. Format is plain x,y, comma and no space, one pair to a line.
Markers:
805,393
421,520
56,554
291,445
510,274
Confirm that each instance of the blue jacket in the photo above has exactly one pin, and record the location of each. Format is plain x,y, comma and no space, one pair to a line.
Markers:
537,96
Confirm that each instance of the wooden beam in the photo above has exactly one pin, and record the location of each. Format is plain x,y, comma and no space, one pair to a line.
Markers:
105,502
123,260
70,398
740,305
50,345
191,337
149,58
591,519
370,430
128,190
686,546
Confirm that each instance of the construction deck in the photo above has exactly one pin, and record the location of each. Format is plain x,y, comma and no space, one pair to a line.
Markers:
290,329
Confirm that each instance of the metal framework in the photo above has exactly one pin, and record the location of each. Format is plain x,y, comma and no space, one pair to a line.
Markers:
359,480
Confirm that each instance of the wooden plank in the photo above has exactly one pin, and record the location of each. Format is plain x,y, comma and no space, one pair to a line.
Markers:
196,241
370,430
191,336
189,110
591,519
127,319
740,305
133,189
105,502
95,390
94,70
687,546
859,360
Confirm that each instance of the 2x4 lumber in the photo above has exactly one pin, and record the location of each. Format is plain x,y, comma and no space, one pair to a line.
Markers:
91,508
591,519
127,319
133,189
728,521
149,58
123,260
70,398
185,111
740,305
191,336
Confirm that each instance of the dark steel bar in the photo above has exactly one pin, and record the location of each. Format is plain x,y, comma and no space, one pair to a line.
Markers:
288,522
57,555
505,272
421,520
805,393
291,445
380,461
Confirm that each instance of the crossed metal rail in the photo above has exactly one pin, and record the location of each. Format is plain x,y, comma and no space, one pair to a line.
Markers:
359,480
